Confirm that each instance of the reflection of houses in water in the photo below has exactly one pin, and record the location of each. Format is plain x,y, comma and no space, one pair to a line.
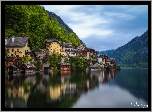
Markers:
31,79
65,72
19,92
68,88
59,91
53,92
16,95
105,76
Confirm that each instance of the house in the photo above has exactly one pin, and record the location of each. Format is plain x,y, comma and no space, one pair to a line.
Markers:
111,63
70,49
12,69
27,68
42,56
55,45
10,61
46,68
86,52
13,60
65,67
104,58
92,51
17,46
31,53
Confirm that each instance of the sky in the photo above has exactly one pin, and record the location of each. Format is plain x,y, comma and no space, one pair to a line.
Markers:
104,27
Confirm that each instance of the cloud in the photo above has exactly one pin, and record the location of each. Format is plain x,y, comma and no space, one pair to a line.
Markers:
104,27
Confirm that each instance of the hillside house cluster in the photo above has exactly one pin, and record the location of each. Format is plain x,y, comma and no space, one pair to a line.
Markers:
18,47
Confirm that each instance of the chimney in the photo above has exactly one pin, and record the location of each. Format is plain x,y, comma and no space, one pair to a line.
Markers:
13,39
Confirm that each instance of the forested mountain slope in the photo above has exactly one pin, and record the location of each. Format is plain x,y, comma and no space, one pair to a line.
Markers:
33,21
132,54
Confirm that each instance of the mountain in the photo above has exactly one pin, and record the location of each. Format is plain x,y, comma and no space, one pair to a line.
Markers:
132,54
33,21
106,52
60,21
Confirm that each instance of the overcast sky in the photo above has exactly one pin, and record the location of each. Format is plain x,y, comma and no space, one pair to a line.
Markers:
104,27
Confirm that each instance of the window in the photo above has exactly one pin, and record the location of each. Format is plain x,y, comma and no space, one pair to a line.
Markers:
8,50
12,50
12,55
17,50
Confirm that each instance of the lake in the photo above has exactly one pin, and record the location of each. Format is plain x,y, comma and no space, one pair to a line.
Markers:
125,88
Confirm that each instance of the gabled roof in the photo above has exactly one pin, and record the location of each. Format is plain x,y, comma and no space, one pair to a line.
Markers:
41,56
28,65
53,40
18,42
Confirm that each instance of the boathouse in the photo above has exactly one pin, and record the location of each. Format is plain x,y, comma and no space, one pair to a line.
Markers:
46,68
65,67
27,68
12,69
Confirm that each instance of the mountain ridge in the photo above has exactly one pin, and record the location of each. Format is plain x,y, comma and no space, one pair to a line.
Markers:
132,54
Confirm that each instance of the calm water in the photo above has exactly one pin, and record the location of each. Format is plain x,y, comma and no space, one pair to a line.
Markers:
127,88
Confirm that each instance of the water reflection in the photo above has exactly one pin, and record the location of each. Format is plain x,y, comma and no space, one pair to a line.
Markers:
67,89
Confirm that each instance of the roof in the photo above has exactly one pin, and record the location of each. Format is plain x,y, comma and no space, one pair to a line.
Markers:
93,66
110,60
10,58
53,40
18,42
65,64
13,66
41,56
46,65
28,65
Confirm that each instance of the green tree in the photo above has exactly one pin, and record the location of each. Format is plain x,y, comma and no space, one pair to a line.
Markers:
78,63
9,32
54,59
26,59
38,65
66,60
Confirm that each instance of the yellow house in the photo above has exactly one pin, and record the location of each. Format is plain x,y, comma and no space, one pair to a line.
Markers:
55,45
17,46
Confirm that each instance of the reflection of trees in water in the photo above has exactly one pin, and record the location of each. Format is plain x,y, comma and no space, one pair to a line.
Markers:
55,90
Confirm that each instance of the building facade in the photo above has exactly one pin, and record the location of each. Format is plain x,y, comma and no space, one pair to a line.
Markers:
17,46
